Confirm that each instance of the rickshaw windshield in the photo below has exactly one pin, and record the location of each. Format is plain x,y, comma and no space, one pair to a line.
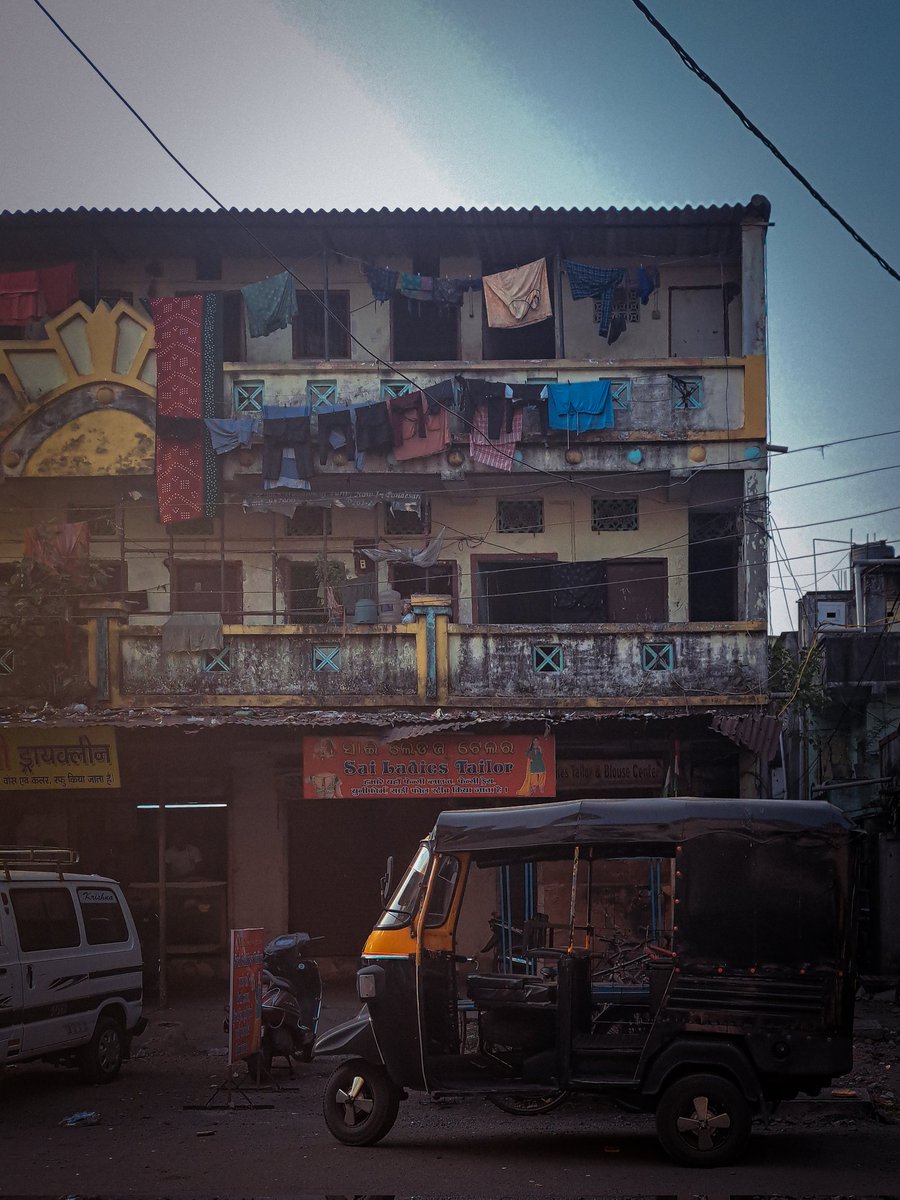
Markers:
405,900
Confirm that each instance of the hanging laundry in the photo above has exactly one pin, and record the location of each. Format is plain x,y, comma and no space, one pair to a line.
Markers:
270,304
417,432
617,327
61,547
496,451
518,297
20,297
580,406
188,331
373,428
648,282
417,287
336,432
286,428
596,283
473,392
451,291
59,286
382,281
230,433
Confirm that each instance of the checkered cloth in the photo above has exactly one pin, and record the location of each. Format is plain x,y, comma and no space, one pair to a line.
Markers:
597,283
498,452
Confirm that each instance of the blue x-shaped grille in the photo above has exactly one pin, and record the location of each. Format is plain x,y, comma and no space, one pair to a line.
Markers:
657,656
547,660
249,395
216,660
326,658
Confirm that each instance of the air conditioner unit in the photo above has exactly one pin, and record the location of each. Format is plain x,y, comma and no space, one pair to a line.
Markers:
831,612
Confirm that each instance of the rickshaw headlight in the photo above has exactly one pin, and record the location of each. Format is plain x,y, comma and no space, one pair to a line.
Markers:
365,986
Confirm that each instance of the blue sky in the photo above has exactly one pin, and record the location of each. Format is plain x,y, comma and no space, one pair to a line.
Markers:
406,103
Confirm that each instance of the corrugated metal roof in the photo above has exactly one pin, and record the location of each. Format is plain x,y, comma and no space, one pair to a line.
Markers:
493,235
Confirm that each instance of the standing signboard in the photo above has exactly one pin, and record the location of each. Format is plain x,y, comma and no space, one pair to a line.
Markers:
245,994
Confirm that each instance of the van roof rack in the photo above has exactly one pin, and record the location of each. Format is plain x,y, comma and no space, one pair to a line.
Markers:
36,857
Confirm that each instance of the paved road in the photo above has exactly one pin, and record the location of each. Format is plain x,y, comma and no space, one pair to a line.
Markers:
149,1145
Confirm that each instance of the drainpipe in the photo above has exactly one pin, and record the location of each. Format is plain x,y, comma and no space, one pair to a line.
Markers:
432,647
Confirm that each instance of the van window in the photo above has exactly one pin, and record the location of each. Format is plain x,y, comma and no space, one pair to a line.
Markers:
442,892
45,918
104,921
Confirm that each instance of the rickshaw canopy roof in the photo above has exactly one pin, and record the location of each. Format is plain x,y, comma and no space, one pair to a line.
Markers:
656,822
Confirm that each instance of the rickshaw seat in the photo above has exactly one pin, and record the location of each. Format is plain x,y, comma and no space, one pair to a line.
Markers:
511,991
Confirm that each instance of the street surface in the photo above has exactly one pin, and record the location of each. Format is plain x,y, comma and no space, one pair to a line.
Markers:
148,1144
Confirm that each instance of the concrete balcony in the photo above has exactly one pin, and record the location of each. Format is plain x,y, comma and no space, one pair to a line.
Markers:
433,662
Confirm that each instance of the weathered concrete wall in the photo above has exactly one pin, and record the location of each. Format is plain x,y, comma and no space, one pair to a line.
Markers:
488,661
371,664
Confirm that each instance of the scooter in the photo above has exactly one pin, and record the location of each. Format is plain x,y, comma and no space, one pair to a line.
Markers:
291,1001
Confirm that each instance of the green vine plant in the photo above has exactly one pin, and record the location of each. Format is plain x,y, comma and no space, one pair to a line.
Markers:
798,683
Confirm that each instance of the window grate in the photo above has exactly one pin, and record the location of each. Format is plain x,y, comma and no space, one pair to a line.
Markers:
609,515
7,660
326,658
520,516
215,661
547,660
621,394
392,388
249,395
687,392
658,656
320,392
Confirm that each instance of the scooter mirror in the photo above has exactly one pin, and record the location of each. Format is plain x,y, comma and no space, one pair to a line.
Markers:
386,880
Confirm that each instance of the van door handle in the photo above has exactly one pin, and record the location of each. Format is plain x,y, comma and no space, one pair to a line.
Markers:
29,975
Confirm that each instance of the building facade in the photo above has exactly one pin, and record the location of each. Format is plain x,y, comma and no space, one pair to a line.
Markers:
571,496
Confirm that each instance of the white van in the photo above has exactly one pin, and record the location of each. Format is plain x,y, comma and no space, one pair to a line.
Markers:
71,985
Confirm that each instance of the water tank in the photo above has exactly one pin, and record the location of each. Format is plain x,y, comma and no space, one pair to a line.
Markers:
390,607
365,612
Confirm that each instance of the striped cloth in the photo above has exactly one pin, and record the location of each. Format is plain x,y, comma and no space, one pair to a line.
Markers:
498,452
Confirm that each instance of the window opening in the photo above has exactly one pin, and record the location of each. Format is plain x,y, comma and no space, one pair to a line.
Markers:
402,521
531,341
308,521
234,346
309,325
515,591
713,556
422,329
436,580
197,587
304,600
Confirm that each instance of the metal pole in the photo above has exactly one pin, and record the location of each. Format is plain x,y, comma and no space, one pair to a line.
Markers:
573,899
163,898
325,297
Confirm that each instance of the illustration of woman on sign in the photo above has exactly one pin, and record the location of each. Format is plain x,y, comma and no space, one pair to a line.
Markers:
535,771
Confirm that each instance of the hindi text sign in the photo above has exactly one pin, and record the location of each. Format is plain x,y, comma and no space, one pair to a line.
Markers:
245,994
435,765
35,759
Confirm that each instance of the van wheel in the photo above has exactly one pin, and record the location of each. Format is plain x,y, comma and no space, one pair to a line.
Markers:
101,1059
360,1103
703,1121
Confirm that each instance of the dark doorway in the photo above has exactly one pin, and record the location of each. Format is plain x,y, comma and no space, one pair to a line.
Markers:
209,587
637,590
713,556
515,591
422,329
304,601
437,580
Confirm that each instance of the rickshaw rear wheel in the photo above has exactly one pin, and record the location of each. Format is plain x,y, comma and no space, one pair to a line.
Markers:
703,1121
360,1103
529,1106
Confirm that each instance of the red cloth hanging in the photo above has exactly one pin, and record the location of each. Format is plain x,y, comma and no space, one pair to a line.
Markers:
20,297
59,286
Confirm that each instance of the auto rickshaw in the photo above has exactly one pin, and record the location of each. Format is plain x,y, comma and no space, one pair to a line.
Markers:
746,986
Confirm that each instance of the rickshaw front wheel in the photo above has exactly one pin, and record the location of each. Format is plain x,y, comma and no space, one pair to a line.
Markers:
703,1121
360,1103
529,1106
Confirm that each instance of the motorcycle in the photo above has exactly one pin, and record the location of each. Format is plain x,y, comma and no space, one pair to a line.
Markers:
291,1002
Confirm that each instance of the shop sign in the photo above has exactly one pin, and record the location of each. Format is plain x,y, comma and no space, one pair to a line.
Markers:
604,773
434,766
245,994
35,759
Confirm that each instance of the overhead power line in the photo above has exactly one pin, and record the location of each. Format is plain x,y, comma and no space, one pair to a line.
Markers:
692,65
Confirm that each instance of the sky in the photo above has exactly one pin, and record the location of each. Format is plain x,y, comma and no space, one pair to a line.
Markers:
523,103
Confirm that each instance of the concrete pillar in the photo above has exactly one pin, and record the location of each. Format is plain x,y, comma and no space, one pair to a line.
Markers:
753,287
753,597
258,846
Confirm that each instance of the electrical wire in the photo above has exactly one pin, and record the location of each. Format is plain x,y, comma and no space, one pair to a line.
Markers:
691,64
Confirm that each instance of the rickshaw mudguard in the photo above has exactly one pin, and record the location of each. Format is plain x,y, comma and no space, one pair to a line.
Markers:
355,1037
688,1054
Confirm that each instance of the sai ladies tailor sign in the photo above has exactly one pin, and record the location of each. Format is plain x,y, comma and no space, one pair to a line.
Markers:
348,767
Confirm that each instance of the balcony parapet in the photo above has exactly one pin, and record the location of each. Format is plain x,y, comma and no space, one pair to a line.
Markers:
433,662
